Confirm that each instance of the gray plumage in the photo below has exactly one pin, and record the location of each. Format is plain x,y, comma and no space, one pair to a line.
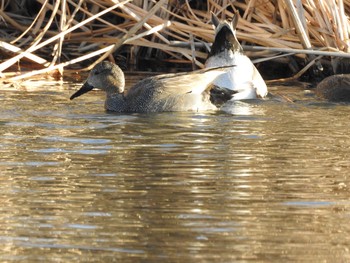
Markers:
167,92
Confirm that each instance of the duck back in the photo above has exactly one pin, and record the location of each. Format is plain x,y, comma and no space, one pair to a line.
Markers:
334,88
173,92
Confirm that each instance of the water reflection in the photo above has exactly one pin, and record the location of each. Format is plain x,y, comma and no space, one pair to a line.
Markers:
264,182
244,108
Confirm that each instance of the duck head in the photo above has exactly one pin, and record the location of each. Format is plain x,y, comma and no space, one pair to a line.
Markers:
105,76
225,36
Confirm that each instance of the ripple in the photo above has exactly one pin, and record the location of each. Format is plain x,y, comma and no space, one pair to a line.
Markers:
308,203
35,164
77,140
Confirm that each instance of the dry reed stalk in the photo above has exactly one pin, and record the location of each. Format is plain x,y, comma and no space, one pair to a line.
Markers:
61,65
153,25
139,18
106,50
13,60
299,74
132,31
32,24
62,28
15,49
11,21
47,26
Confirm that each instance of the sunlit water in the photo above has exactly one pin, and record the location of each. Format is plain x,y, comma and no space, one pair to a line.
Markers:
265,181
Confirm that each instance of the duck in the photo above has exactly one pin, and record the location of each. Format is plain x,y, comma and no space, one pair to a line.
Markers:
166,92
335,88
244,78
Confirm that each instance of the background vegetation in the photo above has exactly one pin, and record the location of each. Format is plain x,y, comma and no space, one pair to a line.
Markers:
49,36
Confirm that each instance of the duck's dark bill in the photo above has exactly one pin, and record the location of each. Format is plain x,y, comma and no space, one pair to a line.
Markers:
85,88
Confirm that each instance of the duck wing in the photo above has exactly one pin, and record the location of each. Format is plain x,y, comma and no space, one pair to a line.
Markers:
169,92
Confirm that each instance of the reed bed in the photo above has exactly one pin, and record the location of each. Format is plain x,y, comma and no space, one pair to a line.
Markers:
49,37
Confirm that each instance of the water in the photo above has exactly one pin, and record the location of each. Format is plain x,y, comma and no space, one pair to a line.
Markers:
264,182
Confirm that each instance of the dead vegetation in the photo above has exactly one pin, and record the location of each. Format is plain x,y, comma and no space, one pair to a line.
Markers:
42,36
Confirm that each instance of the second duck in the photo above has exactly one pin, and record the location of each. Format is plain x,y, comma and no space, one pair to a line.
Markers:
244,79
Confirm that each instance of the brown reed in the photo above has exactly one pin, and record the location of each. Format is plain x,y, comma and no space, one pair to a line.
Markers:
66,32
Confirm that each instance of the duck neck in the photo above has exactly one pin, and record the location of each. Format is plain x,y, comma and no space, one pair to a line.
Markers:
225,40
115,102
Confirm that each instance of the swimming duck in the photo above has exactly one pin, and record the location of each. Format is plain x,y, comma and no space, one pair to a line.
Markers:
334,88
167,92
245,79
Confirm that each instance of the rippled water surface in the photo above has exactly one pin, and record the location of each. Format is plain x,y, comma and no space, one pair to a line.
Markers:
265,181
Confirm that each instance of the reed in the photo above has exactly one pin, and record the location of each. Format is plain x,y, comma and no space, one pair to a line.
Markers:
55,35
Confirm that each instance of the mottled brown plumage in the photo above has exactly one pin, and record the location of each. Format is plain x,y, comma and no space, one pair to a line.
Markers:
334,88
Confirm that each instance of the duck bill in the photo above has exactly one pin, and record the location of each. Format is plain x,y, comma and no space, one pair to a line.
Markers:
84,89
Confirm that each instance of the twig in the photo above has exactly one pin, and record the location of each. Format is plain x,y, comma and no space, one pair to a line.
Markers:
13,60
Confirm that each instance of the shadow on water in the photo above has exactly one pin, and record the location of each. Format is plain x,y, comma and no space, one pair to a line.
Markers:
263,181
